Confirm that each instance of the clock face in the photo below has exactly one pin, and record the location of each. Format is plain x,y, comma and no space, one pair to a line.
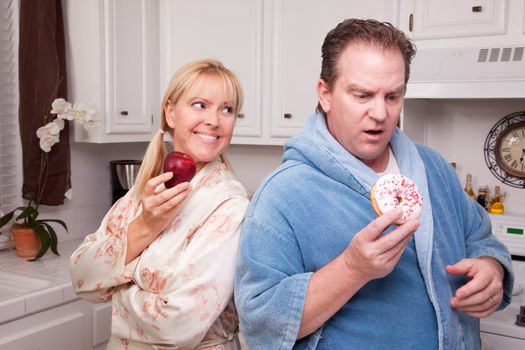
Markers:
505,150
510,150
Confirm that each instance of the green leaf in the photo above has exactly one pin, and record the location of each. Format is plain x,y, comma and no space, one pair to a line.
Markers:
53,237
27,212
6,218
45,241
57,221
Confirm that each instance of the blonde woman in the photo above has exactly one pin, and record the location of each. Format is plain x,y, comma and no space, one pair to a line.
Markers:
166,257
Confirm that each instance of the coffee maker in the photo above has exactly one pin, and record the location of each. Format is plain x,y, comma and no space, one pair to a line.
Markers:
123,174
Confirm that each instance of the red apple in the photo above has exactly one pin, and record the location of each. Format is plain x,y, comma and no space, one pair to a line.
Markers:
181,165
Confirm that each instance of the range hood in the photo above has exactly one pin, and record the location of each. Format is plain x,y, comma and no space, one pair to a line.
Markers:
468,72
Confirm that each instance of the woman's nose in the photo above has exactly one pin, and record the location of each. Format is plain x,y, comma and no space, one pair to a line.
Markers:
212,118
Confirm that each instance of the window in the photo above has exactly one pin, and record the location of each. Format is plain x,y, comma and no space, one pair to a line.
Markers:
10,148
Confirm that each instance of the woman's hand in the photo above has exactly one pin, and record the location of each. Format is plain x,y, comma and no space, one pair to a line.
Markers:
159,207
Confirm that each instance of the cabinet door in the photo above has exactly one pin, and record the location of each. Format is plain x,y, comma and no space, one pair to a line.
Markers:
227,30
57,328
297,33
101,324
130,68
112,54
434,19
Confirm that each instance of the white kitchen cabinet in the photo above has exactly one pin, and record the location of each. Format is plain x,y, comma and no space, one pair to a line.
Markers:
452,18
101,325
58,328
227,30
297,32
273,45
75,325
112,59
451,23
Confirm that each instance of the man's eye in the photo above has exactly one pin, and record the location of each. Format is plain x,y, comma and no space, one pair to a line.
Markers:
393,98
361,96
198,105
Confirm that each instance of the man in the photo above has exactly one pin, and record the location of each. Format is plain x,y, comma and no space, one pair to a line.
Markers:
318,270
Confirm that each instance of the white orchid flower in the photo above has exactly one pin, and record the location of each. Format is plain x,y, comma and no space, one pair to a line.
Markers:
61,108
90,122
49,134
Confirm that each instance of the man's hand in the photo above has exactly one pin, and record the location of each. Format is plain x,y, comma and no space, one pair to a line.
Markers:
370,255
483,294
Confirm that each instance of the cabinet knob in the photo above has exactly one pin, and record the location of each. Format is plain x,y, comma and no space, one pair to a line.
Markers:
477,8
288,115
240,115
123,112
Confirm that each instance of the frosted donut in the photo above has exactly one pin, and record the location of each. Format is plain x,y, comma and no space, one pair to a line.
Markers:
395,190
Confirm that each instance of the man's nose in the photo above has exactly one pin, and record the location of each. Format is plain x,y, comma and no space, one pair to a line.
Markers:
378,110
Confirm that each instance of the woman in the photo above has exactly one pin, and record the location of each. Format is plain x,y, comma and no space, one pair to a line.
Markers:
166,257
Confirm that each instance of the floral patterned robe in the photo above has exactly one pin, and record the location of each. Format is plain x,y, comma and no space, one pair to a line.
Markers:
178,293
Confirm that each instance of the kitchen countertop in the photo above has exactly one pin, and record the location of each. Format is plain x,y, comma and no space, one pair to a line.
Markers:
28,287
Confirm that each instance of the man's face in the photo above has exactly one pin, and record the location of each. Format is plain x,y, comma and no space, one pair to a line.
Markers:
364,105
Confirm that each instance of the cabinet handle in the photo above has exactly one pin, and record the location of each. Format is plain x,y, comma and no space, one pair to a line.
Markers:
411,22
288,115
240,115
477,8
124,113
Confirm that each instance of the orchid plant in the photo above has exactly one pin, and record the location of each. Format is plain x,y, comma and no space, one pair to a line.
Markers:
49,135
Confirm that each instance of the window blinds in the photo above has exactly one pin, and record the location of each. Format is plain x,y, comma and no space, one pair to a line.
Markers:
10,149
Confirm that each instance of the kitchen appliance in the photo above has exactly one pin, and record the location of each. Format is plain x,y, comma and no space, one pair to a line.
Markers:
468,72
123,174
505,330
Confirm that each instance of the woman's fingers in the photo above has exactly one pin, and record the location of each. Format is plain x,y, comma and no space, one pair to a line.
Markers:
154,182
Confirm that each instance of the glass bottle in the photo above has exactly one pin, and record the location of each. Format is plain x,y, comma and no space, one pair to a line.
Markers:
468,187
482,196
496,205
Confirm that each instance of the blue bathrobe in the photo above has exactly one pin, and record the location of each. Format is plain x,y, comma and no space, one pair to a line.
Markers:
306,213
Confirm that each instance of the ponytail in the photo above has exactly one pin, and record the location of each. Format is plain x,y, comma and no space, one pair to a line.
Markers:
152,163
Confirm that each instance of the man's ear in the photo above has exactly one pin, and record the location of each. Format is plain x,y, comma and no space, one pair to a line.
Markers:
324,95
169,113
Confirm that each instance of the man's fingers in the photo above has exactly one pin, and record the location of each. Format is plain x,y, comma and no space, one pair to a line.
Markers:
377,226
460,268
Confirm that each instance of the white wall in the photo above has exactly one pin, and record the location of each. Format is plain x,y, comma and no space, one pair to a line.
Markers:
92,183
458,129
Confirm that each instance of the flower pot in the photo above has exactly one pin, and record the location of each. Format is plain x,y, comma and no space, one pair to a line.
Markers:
27,243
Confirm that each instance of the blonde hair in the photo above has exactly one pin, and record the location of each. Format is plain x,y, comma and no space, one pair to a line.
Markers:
180,83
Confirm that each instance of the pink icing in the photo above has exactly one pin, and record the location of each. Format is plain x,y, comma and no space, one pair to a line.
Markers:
394,190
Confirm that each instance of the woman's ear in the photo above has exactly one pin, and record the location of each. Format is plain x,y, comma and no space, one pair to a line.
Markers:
169,113
324,95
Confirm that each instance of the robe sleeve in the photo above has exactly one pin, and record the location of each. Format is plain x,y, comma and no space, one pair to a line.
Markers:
97,265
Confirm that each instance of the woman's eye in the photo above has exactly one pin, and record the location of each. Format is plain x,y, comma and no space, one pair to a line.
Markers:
198,105
227,110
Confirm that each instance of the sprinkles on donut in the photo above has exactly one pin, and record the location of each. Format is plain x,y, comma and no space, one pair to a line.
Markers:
395,190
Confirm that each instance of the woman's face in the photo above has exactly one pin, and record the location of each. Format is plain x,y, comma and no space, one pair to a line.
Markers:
202,120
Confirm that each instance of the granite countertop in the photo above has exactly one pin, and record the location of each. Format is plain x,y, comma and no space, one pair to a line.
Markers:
28,287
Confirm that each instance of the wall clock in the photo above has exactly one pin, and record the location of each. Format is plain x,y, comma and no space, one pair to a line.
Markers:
505,150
